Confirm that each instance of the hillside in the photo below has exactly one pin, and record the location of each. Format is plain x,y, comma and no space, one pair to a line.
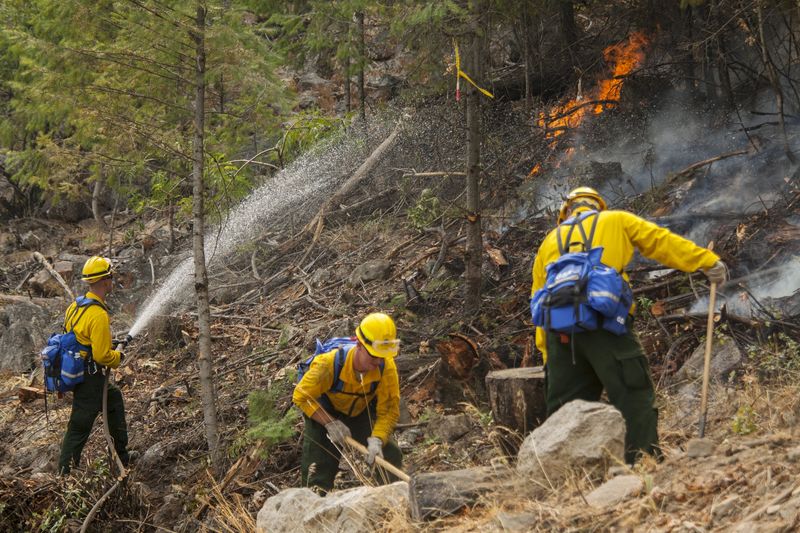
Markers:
396,241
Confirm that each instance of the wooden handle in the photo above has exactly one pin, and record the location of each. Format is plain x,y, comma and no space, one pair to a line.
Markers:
712,297
380,460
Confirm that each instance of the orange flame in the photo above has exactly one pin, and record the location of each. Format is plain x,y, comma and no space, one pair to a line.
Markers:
622,58
535,170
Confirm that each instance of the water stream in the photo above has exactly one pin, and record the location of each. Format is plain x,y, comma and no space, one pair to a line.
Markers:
300,186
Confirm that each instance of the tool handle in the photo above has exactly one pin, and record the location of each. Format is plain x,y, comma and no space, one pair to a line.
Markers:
380,460
712,297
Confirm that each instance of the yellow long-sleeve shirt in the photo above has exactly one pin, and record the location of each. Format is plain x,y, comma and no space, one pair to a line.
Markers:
318,380
92,328
620,233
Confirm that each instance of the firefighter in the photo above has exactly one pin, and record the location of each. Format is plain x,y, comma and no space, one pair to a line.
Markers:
362,401
92,329
580,365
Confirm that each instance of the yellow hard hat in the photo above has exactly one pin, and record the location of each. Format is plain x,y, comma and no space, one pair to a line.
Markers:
576,194
96,268
378,334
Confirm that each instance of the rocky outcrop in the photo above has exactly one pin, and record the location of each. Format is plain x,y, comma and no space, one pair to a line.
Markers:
725,357
362,509
581,436
24,328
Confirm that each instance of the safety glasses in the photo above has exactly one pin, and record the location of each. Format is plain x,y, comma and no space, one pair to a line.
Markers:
387,348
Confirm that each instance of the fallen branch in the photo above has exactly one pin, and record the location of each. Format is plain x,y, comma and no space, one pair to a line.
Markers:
433,174
96,507
704,162
40,258
318,222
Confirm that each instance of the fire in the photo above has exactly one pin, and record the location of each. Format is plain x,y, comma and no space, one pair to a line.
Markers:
535,170
622,58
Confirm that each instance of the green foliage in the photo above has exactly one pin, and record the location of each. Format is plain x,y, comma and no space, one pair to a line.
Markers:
103,90
427,209
267,422
644,303
744,421
778,357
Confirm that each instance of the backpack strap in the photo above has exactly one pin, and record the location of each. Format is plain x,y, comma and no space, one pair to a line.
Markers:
563,246
338,365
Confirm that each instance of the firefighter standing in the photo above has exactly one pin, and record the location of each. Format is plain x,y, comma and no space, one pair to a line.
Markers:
92,329
581,365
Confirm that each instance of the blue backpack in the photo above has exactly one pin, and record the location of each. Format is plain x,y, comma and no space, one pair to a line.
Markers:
342,345
64,367
580,292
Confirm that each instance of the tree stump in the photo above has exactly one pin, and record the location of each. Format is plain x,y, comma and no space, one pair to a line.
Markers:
517,398
436,494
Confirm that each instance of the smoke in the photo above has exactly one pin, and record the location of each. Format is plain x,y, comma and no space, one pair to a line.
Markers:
757,295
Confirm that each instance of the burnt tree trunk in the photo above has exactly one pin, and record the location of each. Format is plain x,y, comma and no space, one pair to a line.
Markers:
517,398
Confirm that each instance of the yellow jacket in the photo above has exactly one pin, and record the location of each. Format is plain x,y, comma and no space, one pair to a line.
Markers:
619,233
92,328
318,380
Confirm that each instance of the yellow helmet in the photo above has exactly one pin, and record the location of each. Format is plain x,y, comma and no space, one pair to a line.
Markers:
574,195
96,268
378,334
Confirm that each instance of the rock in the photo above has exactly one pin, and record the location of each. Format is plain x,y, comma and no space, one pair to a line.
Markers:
320,277
65,269
24,328
361,509
451,427
311,80
725,357
517,522
437,494
722,509
793,454
153,456
44,284
615,490
618,470
581,436
29,241
700,448
377,269
8,242
170,510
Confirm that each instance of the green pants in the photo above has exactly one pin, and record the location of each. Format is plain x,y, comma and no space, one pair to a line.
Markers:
589,362
320,460
87,403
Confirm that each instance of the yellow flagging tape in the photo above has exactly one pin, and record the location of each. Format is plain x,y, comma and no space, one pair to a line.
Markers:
461,74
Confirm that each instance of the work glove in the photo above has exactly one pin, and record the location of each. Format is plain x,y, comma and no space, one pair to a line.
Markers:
717,273
337,431
375,449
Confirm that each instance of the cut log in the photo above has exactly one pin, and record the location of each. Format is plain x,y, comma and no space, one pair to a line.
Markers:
517,398
28,394
436,494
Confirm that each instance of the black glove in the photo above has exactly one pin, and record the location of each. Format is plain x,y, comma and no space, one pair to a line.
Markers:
121,357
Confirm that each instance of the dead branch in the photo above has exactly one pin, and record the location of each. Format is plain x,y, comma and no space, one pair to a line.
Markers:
318,222
433,174
40,258
704,162
573,109
96,506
